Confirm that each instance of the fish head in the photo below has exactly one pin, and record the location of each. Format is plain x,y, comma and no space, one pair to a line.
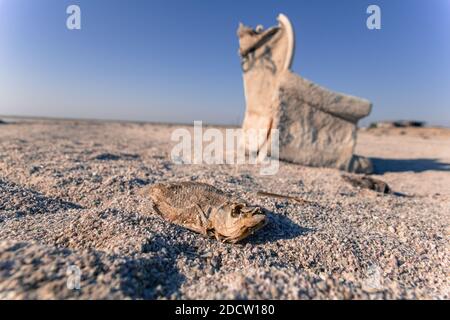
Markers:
233,222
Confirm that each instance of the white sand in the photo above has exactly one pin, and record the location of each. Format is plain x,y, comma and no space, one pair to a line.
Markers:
68,196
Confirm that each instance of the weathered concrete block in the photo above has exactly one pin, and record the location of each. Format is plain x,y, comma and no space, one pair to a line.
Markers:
317,127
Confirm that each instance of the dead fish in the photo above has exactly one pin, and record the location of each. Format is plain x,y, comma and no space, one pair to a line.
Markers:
204,209
368,183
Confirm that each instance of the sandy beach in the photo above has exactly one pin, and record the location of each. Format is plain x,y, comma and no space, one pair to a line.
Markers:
69,196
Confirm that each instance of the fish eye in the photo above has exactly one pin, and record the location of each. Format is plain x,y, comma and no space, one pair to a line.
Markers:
236,211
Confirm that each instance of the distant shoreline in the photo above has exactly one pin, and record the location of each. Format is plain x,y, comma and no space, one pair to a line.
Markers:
174,123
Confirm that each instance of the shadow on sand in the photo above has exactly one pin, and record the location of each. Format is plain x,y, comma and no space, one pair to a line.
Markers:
141,277
18,201
382,166
278,227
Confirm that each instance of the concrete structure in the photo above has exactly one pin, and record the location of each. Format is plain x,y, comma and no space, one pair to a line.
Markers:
317,127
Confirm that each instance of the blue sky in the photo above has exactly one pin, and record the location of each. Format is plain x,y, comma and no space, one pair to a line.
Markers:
177,61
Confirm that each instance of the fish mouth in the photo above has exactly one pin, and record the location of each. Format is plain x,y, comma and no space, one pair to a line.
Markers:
247,231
